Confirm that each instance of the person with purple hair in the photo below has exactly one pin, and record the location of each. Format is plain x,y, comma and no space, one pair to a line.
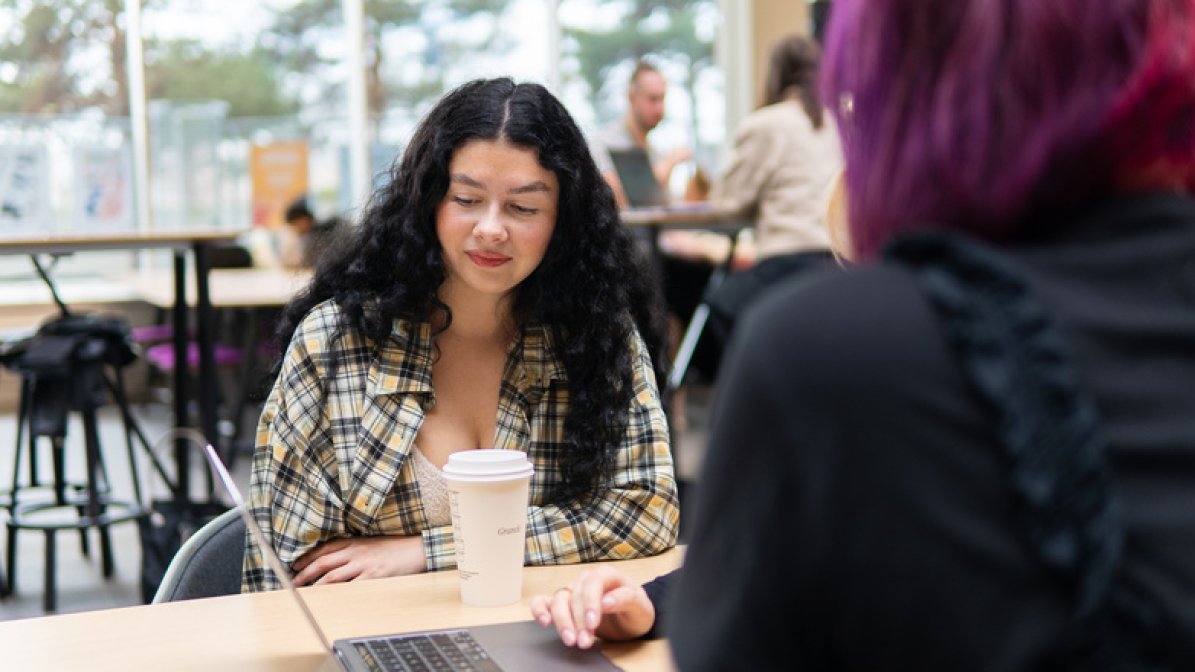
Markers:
976,449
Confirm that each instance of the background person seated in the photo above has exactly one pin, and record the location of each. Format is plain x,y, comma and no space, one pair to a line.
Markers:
303,240
780,171
646,91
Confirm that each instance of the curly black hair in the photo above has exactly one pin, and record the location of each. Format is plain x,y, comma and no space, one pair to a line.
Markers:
592,287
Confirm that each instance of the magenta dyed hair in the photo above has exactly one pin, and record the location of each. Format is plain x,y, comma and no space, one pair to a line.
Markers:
967,114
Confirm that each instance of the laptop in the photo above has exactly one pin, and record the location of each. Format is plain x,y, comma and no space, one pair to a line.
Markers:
638,179
523,645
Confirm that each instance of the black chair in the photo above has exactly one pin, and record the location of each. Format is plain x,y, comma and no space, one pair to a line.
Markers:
72,364
209,562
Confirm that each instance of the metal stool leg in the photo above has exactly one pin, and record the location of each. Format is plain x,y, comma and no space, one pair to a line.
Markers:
58,455
12,557
22,418
27,389
50,599
684,354
248,363
133,430
95,508
106,563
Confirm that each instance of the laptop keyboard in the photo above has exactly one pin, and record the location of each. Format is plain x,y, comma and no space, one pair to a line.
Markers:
451,650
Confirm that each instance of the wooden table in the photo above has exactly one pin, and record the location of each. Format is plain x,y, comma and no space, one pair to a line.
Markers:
199,242
266,631
227,287
684,216
58,243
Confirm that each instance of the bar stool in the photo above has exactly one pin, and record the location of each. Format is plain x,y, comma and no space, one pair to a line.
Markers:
64,368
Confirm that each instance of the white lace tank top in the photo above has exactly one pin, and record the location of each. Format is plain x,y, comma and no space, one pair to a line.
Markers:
432,489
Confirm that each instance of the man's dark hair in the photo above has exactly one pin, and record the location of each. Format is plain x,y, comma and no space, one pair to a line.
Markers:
297,210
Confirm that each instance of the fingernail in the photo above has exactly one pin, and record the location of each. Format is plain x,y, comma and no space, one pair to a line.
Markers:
544,620
608,601
591,619
568,637
584,640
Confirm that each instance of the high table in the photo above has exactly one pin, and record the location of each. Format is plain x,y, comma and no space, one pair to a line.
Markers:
227,287
684,216
688,216
247,289
266,631
199,242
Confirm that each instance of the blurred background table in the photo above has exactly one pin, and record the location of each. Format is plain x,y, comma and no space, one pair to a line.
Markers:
227,287
199,243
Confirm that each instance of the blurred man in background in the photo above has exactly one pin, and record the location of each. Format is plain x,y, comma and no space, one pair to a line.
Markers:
304,238
645,110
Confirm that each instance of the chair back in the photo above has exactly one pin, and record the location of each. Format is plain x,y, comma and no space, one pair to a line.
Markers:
209,562
229,256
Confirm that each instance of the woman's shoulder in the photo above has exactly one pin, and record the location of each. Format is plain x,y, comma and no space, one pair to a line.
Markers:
327,321
784,126
635,340
320,321
862,326
786,115
844,297
325,329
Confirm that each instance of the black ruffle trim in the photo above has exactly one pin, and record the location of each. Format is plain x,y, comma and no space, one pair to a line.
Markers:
1066,497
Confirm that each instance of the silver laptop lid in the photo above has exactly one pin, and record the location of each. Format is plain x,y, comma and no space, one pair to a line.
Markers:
522,645
259,537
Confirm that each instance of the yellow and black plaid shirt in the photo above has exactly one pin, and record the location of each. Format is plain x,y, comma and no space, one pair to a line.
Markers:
331,452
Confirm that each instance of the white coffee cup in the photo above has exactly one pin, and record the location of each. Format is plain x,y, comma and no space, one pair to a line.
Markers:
487,490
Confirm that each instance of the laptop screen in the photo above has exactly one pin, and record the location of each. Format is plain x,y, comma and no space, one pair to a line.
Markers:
272,559
638,180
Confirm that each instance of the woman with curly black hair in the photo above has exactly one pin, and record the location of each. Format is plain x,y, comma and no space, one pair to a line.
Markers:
489,298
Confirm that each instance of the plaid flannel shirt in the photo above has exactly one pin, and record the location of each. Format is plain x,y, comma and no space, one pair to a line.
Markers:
332,444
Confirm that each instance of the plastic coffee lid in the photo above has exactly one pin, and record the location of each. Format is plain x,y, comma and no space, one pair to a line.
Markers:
487,464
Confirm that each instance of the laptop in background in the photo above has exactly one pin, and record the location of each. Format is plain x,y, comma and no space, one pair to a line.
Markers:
638,179
523,645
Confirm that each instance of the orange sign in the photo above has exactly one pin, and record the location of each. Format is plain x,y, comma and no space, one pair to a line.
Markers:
279,172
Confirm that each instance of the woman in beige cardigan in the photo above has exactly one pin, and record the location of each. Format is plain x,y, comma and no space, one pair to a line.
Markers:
781,169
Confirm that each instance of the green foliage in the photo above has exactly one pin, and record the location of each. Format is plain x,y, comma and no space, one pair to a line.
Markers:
471,7
58,46
40,59
664,30
185,71
296,35
50,61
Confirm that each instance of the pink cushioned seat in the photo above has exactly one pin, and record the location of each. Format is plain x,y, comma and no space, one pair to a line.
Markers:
153,333
162,355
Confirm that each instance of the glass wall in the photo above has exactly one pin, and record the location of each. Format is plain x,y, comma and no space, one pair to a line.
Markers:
65,160
228,81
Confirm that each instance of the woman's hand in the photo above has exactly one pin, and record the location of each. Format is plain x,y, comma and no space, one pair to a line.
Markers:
602,602
360,558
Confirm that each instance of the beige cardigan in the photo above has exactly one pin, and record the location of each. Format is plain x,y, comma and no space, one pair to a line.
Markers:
780,173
